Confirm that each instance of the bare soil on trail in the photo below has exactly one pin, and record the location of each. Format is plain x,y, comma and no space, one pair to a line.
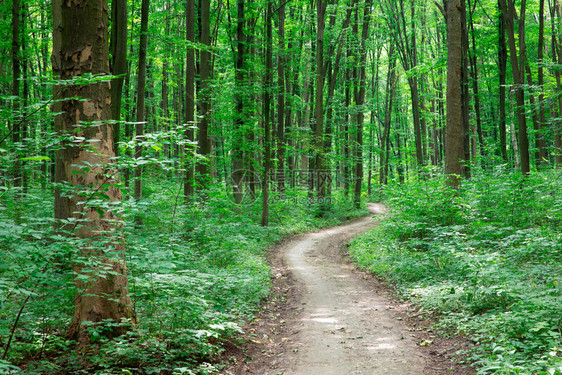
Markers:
326,317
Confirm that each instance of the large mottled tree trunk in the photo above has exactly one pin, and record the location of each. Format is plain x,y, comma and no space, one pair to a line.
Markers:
80,46
454,145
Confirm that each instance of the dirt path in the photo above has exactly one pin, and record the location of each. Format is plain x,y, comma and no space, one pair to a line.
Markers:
330,319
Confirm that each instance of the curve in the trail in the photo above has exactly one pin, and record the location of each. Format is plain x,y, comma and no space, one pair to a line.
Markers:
345,327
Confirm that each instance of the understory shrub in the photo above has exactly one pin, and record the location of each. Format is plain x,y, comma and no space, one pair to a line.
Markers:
487,258
197,272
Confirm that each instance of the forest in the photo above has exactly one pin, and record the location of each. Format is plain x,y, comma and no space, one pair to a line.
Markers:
153,152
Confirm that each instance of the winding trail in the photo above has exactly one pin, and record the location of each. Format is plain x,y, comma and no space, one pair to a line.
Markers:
330,318
344,326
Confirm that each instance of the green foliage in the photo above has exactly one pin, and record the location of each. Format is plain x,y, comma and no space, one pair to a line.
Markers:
488,259
196,273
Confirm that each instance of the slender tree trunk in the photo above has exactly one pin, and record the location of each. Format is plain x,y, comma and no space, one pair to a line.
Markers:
204,144
556,17
534,110
266,114
25,94
189,182
165,91
45,125
502,60
413,62
465,99
16,107
129,102
515,146
388,102
399,167
454,144
282,89
252,154
141,89
79,49
517,66
319,103
237,151
360,101
345,128
118,48
332,85
541,154
475,90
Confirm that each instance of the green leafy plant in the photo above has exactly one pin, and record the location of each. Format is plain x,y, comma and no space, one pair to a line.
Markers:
488,259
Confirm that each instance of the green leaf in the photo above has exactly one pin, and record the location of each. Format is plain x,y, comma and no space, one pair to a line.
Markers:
36,158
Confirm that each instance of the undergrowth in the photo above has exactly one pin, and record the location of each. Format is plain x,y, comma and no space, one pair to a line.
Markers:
196,273
488,259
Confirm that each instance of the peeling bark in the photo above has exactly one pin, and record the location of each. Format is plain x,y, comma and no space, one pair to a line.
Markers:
84,167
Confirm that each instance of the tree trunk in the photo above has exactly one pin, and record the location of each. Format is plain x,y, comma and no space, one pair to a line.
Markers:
79,49
203,142
16,108
399,167
388,102
319,103
165,91
237,172
454,144
502,60
541,155
405,41
129,103
280,175
360,101
332,84
25,94
465,99
189,155
474,73
141,89
517,66
556,16
345,128
266,114
118,49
